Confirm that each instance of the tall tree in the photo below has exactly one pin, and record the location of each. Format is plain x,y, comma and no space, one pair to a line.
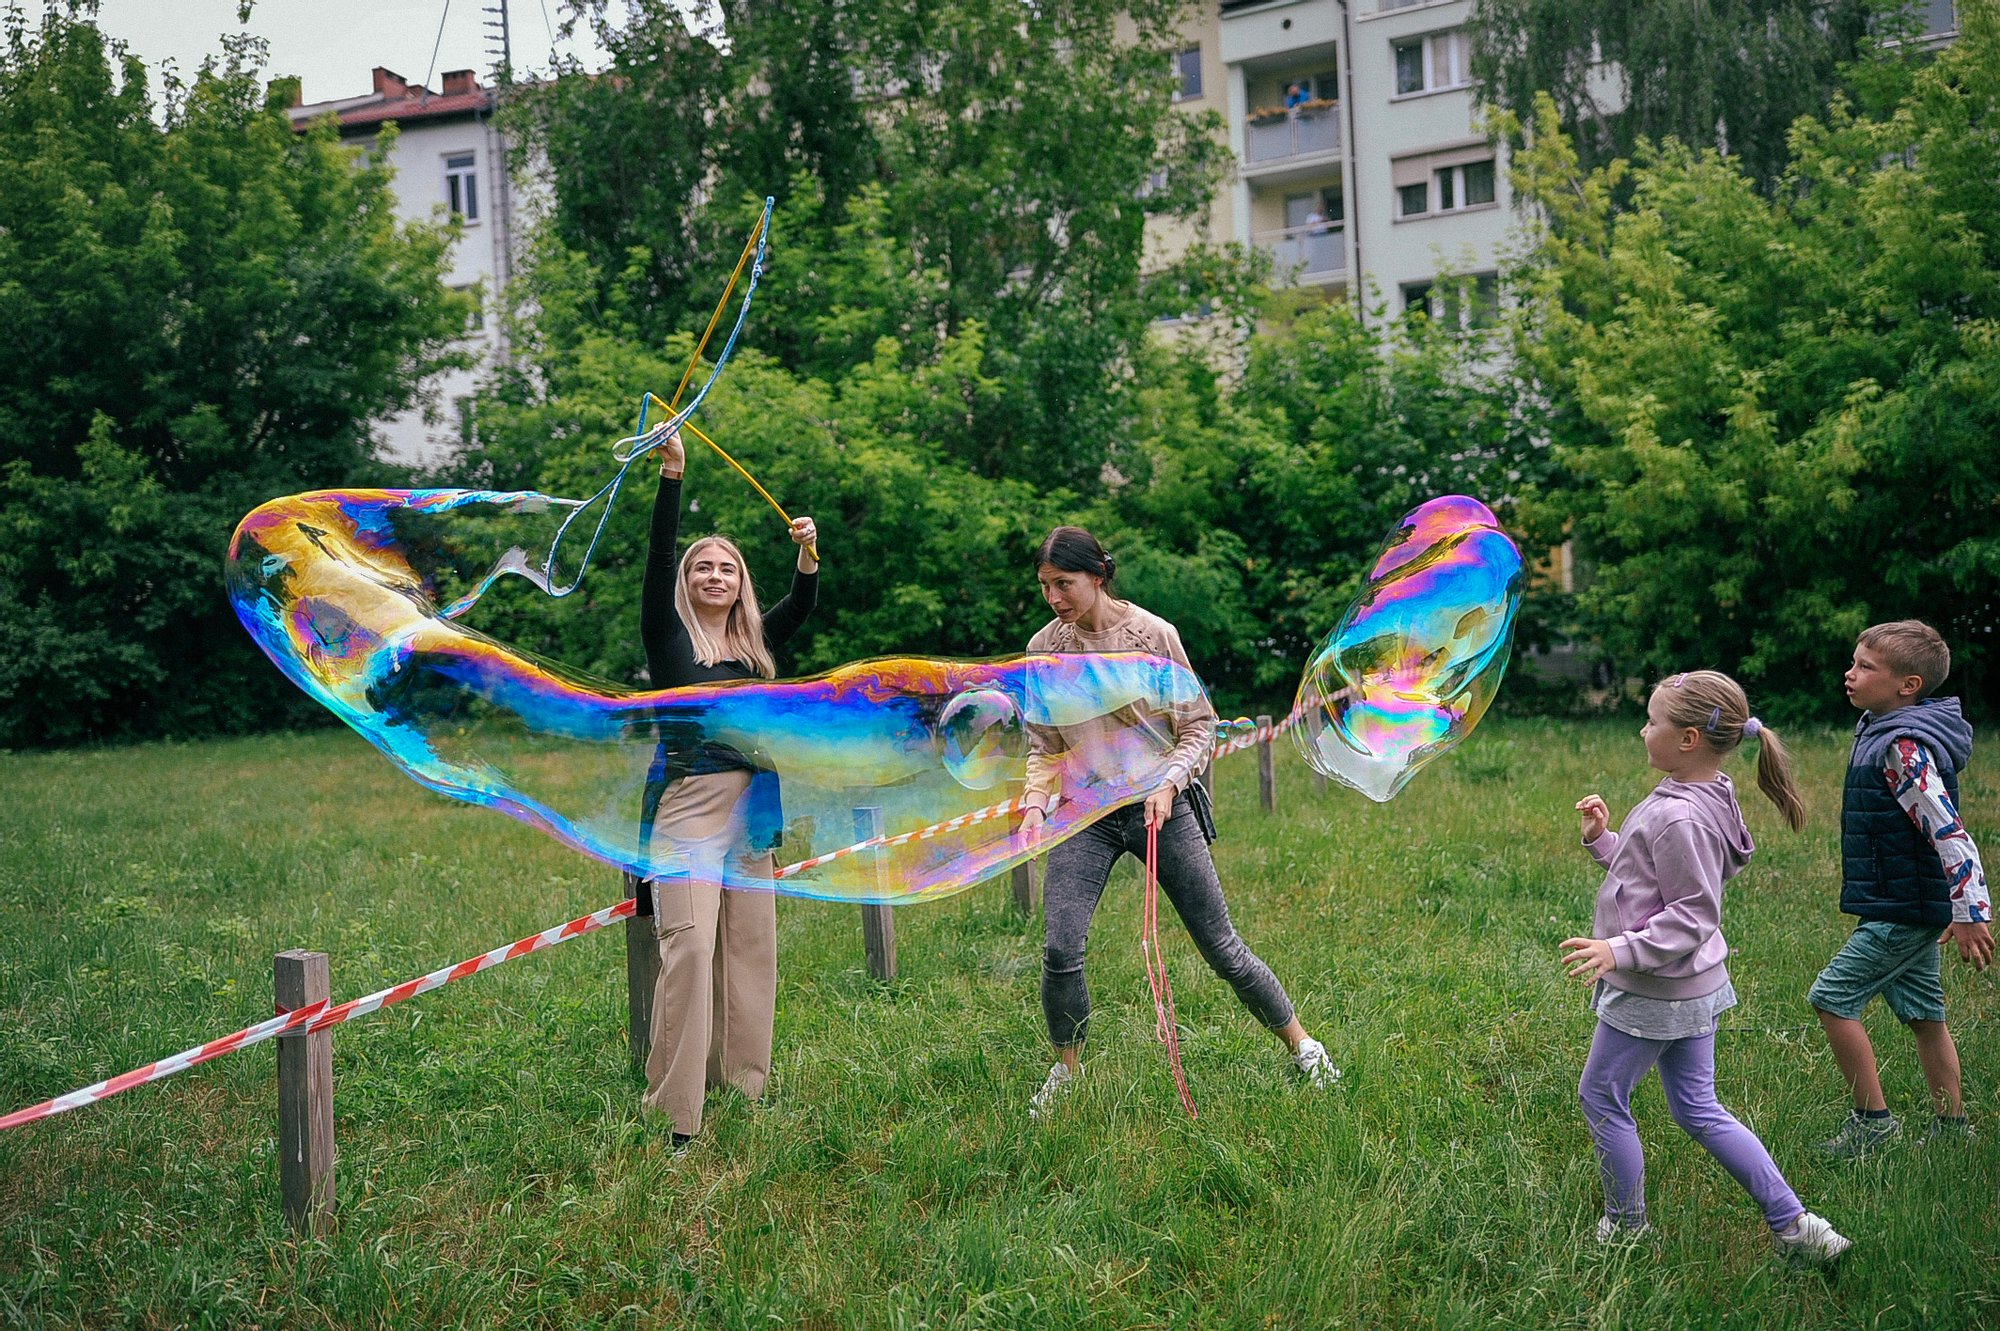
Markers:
1727,74
941,166
202,309
1778,414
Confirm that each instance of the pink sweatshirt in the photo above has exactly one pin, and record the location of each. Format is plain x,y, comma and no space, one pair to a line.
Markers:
1660,905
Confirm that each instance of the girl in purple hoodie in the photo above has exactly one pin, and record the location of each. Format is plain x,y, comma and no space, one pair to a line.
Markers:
1658,959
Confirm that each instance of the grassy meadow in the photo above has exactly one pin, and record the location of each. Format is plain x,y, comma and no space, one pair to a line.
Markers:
494,1170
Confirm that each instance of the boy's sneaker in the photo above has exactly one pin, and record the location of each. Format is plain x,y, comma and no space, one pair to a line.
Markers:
1947,1131
1611,1231
1062,1078
1810,1239
1311,1059
1861,1135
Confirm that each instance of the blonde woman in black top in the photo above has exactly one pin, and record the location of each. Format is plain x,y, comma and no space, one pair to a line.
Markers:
713,812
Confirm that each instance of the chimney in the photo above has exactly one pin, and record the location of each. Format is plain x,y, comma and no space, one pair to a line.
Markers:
389,84
459,80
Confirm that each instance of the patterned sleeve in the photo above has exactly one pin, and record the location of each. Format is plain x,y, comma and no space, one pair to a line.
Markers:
1914,781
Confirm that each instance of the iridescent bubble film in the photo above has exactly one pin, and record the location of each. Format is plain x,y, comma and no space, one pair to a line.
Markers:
358,597
1416,659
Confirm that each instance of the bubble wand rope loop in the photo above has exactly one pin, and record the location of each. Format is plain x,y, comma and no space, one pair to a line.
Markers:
629,450
1167,1028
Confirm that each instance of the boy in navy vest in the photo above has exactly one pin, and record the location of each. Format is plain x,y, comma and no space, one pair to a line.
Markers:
1909,870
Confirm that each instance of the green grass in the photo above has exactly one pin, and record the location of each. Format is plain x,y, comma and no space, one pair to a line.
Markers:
494,1170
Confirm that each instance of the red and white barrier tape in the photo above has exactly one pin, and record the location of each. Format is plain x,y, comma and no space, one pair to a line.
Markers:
991,811
318,1016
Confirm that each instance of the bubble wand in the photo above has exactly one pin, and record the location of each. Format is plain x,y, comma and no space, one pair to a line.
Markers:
651,399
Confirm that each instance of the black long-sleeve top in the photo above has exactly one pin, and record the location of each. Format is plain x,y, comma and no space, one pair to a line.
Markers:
671,663
670,659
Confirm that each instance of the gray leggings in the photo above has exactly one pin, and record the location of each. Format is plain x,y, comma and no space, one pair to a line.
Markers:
1078,870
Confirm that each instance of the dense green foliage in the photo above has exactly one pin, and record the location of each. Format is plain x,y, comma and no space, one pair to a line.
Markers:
955,348
494,1170
1755,390
1732,75
202,309
1780,416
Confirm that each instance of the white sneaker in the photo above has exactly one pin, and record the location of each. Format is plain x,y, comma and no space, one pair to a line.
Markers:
1311,1059
1810,1239
1611,1231
1062,1078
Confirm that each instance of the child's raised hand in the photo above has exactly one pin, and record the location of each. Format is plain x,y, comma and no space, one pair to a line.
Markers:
1588,958
1596,817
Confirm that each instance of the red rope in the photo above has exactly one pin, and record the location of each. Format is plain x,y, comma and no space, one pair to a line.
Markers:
1165,1029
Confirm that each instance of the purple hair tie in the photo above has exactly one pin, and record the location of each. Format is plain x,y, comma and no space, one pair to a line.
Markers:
1752,727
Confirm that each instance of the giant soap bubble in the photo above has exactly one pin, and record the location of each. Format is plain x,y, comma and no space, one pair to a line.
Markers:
1413,664
357,596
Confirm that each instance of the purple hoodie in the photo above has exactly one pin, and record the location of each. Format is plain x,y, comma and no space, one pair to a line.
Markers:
1660,906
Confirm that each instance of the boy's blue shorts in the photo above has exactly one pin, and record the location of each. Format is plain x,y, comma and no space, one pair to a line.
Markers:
1897,961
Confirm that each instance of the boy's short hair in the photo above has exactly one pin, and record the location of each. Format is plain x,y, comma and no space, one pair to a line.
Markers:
1910,647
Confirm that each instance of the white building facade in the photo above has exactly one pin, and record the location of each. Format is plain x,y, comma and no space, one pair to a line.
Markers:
1361,166
450,160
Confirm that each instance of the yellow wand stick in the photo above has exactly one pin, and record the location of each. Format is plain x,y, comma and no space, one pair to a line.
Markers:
691,428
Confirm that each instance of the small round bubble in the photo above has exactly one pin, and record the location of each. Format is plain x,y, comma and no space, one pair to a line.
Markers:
983,738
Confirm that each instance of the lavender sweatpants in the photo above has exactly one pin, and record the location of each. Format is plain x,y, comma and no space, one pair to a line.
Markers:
1617,1064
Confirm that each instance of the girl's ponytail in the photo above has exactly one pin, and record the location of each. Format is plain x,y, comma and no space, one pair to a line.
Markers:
1774,776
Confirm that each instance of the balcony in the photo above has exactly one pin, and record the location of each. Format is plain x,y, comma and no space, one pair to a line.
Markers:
1272,141
1315,254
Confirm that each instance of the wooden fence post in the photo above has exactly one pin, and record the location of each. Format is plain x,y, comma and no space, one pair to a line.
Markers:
878,922
1024,888
1267,771
642,972
305,1096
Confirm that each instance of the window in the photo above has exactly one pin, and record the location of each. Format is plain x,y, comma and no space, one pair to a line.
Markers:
1187,67
1466,303
1464,186
1409,67
461,186
1321,210
1429,64
1444,180
1478,178
1470,303
462,407
475,320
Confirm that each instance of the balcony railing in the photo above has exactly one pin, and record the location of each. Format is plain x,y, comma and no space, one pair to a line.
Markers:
1313,252
1298,134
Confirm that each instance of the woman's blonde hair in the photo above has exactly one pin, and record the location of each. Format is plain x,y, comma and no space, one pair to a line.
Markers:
743,637
1714,704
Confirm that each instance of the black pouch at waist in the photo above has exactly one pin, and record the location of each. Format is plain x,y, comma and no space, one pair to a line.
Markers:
1204,809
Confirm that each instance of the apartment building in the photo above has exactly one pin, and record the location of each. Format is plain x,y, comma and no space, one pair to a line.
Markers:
450,159
1360,164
